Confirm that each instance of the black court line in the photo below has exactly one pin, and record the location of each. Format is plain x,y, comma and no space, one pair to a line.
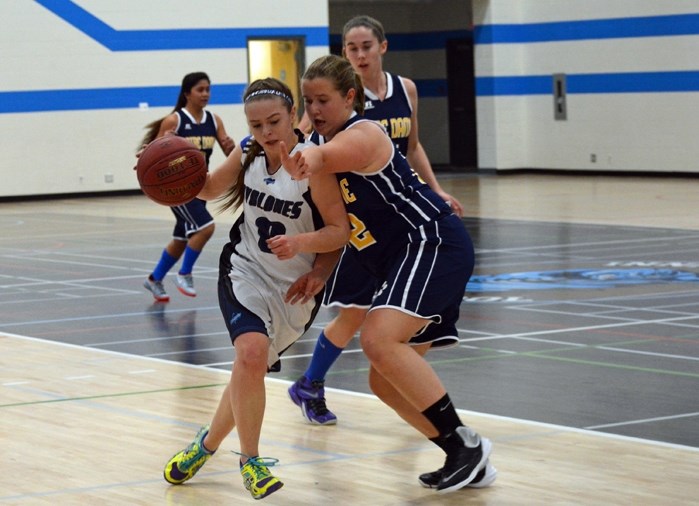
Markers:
580,325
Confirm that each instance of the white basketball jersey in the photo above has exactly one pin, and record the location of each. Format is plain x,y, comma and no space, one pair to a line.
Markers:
274,204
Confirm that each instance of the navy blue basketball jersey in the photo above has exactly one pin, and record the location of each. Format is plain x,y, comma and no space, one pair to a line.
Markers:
202,135
393,112
385,207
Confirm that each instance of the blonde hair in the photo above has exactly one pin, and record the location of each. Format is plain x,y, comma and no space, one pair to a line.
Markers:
340,73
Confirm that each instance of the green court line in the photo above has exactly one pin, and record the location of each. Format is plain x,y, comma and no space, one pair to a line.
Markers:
107,396
546,355
612,366
540,355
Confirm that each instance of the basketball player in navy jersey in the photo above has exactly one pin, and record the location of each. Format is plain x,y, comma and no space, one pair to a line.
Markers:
392,101
416,251
194,226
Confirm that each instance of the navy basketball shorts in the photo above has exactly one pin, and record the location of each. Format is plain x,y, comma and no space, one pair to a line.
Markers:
251,301
191,218
350,284
428,277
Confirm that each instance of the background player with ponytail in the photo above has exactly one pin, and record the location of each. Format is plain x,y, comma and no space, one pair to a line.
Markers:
194,226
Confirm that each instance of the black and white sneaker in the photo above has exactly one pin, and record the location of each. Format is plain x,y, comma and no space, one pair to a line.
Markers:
462,466
484,478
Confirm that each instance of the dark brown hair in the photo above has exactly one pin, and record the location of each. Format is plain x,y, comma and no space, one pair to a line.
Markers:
367,22
261,89
188,82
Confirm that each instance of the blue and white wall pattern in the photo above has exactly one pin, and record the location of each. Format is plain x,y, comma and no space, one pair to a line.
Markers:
81,78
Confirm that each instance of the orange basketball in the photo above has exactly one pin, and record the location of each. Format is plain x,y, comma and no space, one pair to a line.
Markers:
171,170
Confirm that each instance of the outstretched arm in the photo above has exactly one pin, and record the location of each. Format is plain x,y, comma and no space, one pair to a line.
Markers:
219,180
326,196
363,148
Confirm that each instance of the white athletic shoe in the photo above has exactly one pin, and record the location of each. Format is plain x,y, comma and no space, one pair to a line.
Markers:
185,284
157,289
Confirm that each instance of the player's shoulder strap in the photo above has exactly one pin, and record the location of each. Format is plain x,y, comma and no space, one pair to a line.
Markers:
399,88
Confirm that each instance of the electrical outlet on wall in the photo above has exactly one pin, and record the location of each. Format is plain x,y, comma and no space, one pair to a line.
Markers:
593,158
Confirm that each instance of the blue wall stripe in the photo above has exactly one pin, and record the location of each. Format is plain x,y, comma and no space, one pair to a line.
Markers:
625,82
108,98
419,41
431,87
647,26
231,94
187,38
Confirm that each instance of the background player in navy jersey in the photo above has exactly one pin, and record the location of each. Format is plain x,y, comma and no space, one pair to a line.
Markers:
392,101
194,225
415,250
269,274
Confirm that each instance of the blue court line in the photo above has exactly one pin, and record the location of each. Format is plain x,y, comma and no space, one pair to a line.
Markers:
613,28
174,39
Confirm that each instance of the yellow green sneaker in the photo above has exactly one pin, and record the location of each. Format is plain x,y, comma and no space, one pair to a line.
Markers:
257,478
185,464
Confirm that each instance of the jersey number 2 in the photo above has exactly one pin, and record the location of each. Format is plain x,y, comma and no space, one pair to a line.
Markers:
360,237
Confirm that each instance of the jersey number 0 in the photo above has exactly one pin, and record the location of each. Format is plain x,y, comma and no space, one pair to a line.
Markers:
267,229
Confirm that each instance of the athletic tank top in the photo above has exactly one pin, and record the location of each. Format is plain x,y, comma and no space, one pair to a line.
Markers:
385,207
273,204
393,112
202,135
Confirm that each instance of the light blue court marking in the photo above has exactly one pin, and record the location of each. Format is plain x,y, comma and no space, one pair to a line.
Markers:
583,279
174,39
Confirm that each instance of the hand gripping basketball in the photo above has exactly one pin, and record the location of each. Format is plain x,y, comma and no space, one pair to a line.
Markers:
171,170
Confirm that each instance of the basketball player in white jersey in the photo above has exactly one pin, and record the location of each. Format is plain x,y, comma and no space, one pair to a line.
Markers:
272,273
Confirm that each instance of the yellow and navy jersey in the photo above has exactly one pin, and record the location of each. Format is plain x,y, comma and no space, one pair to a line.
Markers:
202,135
393,112
385,207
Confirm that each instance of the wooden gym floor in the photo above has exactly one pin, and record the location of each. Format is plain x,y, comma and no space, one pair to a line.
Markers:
578,357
